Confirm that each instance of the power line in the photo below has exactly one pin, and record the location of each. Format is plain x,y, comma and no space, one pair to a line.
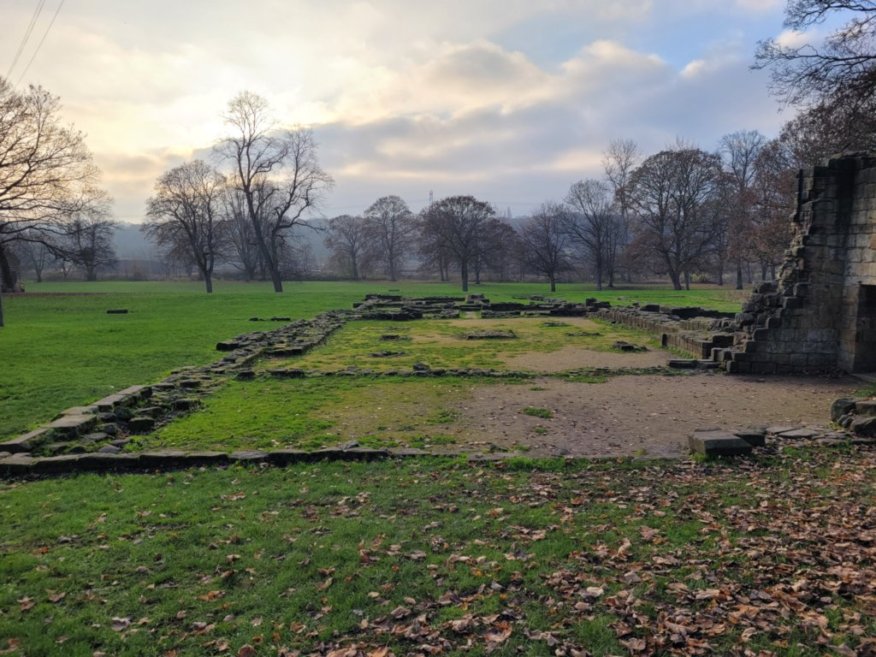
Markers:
40,44
33,19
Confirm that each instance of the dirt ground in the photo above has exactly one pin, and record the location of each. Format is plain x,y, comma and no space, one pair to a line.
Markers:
638,415
571,358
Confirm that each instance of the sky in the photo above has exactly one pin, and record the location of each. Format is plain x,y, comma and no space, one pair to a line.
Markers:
511,101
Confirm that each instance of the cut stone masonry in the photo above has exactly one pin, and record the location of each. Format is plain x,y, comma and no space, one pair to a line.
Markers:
821,314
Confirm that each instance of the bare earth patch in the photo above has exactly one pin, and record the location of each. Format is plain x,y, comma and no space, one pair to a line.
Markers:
639,415
571,358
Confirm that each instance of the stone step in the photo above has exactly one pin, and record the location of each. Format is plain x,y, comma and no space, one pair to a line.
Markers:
715,442
26,442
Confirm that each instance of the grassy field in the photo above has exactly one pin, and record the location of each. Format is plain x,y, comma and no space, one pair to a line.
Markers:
763,557
770,556
61,349
444,343
314,413
387,412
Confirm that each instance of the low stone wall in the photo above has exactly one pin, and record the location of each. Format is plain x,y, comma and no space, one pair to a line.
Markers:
699,333
107,425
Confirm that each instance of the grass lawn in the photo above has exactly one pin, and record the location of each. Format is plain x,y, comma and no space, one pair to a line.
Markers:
770,556
314,413
444,343
61,349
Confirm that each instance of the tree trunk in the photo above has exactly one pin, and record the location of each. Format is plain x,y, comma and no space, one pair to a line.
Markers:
720,272
208,282
8,278
91,274
553,284
276,279
463,272
738,274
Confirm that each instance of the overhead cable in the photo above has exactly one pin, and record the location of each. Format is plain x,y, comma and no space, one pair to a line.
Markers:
33,19
40,44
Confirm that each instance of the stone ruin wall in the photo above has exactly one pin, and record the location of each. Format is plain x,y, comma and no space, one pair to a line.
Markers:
821,314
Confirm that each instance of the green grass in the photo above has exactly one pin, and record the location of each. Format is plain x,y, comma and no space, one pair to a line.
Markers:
583,556
319,412
443,343
533,411
61,349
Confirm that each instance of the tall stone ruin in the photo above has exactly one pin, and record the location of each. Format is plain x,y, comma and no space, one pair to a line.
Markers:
821,314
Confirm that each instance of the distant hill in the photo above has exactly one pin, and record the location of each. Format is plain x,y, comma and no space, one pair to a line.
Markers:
131,244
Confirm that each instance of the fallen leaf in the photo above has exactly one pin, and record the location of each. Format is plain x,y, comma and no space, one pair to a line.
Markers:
119,624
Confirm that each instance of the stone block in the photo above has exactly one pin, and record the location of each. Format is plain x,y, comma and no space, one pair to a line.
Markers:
802,434
28,441
283,457
184,404
248,457
136,392
141,424
107,404
63,464
171,458
17,465
864,426
862,408
754,436
72,425
718,443
227,345
80,410
102,462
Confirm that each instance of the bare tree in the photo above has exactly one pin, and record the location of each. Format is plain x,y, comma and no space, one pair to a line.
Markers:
390,227
740,151
544,238
241,235
434,254
833,81
843,65
499,251
347,240
276,171
34,248
618,162
828,128
593,226
43,167
87,241
186,215
455,225
672,194
775,195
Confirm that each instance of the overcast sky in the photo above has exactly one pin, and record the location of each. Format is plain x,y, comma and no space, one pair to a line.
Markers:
507,100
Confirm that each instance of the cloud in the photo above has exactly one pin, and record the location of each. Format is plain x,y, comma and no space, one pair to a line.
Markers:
511,100
759,6
793,39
